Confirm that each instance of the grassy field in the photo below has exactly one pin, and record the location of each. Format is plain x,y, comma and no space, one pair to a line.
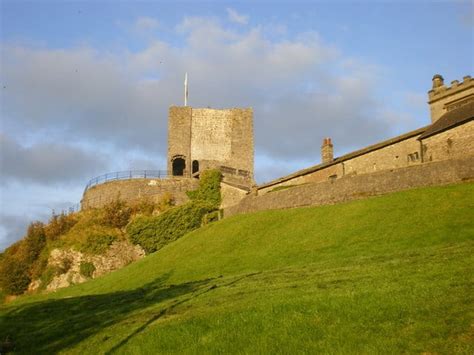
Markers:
391,274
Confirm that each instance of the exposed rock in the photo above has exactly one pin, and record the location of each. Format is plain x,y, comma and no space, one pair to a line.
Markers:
69,262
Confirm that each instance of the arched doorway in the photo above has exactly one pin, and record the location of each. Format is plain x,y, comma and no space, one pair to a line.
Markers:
195,166
179,164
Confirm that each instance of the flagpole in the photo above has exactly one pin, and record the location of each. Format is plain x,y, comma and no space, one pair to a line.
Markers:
186,89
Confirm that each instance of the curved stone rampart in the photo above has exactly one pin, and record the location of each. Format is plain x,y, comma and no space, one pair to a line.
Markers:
135,189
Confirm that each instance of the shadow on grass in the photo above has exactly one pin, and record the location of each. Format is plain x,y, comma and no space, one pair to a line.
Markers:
54,325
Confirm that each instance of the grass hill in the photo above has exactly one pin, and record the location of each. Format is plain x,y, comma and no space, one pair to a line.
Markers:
392,274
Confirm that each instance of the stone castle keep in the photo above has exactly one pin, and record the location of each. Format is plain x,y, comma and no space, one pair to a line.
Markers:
204,138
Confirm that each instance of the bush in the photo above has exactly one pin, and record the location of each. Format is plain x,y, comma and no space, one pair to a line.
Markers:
47,276
209,190
116,213
59,225
97,243
211,217
87,269
144,206
153,233
31,247
166,202
14,275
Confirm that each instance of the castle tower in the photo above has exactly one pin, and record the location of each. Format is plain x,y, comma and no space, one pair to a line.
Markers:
327,151
204,138
443,99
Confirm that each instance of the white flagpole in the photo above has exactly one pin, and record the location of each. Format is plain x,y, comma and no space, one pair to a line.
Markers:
186,89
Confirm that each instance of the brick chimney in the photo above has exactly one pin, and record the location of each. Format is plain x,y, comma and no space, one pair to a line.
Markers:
327,151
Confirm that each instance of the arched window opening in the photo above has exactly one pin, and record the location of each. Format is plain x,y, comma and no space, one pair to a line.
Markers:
179,165
195,166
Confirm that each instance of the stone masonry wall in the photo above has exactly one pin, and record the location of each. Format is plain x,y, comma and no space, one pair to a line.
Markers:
213,137
359,186
179,136
454,143
132,190
398,155
390,157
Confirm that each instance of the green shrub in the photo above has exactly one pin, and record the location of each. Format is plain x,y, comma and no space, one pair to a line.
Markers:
209,190
39,265
144,206
2,296
32,245
117,213
87,269
211,217
59,225
14,275
166,202
153,233
48,275
97,243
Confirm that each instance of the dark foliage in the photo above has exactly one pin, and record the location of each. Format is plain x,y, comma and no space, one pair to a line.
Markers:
14,275
117,213
209,190
153,233
87,269
97,243
59,225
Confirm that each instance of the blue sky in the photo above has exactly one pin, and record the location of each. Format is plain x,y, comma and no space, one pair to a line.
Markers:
86,85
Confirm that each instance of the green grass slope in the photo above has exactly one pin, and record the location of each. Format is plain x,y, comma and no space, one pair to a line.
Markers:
391,274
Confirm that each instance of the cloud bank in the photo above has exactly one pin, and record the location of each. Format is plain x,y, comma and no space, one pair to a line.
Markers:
83,110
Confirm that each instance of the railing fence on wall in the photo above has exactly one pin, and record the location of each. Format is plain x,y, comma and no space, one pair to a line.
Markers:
127,175
117,175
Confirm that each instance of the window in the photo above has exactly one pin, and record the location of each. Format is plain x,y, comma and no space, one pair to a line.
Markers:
413,157
195,166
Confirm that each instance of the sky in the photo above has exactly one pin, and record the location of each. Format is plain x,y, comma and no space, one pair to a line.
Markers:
86,85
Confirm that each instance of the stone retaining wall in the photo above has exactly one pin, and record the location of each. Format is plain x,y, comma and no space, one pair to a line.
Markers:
359,186
134,189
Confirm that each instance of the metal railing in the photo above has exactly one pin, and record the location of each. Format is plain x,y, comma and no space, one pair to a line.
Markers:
127,175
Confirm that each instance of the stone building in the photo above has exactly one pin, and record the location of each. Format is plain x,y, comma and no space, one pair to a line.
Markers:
204,138
449,136
198,139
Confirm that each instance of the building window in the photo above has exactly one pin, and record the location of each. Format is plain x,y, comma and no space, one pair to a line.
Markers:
179,164
413,157
195,166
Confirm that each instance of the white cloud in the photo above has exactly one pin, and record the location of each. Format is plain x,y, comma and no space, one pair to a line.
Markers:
123,98
301,88
234,16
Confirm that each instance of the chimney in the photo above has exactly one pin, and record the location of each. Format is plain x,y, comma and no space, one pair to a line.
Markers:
327,152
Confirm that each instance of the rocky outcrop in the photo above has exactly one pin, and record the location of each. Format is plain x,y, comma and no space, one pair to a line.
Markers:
68,262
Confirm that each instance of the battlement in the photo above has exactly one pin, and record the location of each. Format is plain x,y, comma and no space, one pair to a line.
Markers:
444,98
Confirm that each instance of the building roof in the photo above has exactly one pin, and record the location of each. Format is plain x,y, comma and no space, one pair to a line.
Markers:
345,157
450,119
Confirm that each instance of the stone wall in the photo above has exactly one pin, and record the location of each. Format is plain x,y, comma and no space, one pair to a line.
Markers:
403,152
394,156
451,144
179,136
132,190
213,137
231,195
359,186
